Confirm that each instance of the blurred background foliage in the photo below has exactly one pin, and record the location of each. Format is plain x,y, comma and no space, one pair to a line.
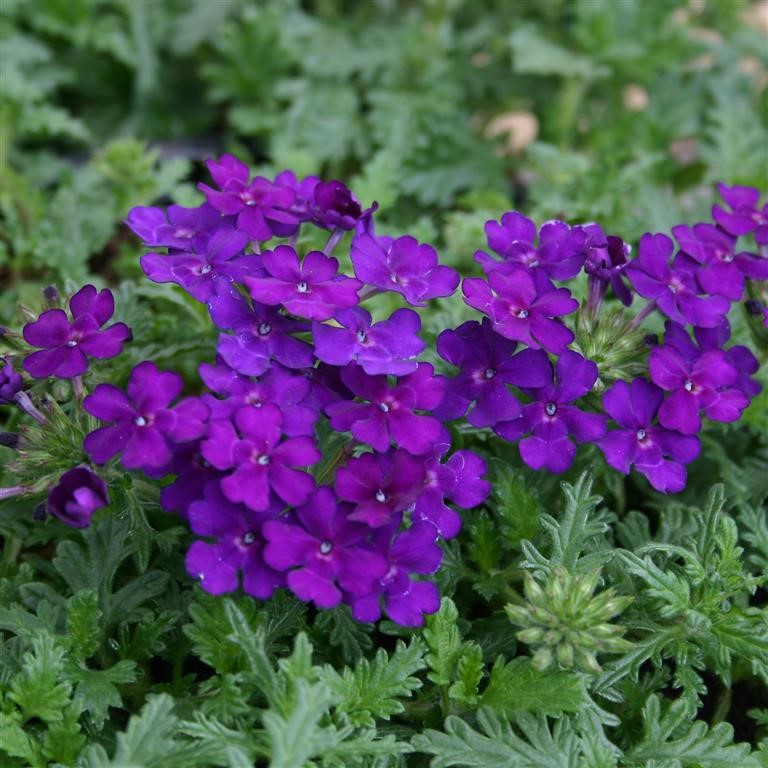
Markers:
445,111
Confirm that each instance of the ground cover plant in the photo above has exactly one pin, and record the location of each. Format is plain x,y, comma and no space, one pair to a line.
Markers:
400,407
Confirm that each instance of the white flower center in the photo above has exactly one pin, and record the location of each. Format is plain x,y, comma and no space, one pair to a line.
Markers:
325,547
302,287
551,409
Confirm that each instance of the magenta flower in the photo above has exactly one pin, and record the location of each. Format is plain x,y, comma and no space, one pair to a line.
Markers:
261,463
404,266
78,494
278,386
722,271
674,287
312,288
324,550
389,413
67,344
177,227
237,547
657,453
698,381
458,480
380,485
522,308
211,261
261,335
551,420
559,253
262,208
387,347
145,428
488,366
414,550
745,215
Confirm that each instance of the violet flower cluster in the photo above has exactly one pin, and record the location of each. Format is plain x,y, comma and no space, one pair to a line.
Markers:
524,348
299,358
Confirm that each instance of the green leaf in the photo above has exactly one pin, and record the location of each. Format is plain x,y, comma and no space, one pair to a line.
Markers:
444,642
518,686
83,624
517,506
353,637
95,689
469,673
536,55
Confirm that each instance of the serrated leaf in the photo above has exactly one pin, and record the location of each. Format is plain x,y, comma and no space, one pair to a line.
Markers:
444,642
83,624
95,689
469,673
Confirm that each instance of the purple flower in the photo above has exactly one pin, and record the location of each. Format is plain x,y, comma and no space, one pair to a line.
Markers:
406,601
210,261
326,552
238,546
745,215
522,309
336,206
657,453
389,413
559,254
551,419
77,496
673,287
262,208
722,270
279,386
311,288
66,345
144,428
304,193
458,480
261,335
488,366
404,266
606,262
192,472
261,462
10,382
698,381
175,229
386,347
381,485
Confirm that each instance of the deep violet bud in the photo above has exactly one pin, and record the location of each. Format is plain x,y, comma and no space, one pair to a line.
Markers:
144,427
10,382
323,550
311,288
655,452
67,344
335,206
551,420
79,493
523,308
387,347
9,440
402,265
51,294
606,263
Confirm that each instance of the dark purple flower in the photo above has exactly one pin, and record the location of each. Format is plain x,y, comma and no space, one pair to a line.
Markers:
261,463
722,270
78,494
404,266
414,550
521,309
380,485
559,254
488,366
279,386
238,546
335,206
698,381
606,263
552,421
389,413
176,228
381,348
10,382
145,427
657,453
312,288
262,208
326,552
745,215
192,472
674,287
67,345
261,335
458,480
201,270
